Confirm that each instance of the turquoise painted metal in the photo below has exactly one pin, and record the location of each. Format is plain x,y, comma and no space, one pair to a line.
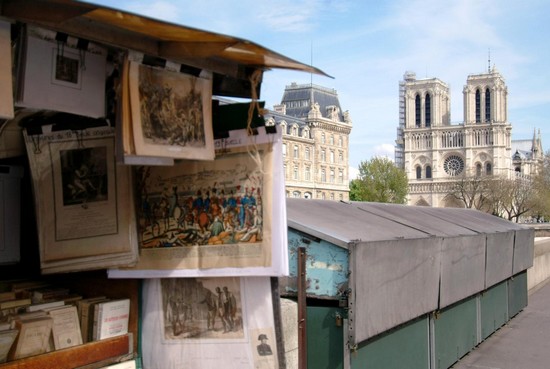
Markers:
327,266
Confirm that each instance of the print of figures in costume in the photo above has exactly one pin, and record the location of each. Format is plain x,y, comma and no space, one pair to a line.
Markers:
167,117
193,308
181,212
84,175
263,348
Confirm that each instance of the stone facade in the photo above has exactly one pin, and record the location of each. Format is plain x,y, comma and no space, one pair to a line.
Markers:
435,153
315,142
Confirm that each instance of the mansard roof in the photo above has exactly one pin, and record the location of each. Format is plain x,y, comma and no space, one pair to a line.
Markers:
522,149
297,99
290,120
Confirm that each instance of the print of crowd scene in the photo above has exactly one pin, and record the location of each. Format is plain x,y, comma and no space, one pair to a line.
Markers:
209,216
168,118
192,310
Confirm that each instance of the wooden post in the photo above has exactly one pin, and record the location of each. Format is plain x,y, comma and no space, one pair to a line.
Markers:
302,309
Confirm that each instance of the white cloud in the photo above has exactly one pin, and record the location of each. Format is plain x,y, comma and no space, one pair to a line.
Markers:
384,150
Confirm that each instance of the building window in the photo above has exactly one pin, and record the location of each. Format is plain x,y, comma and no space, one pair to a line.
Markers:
332,156
427,110
332,195
323,155
284,169
418,172
307,195
296,152
296,194
323,137
428,172
307,153
340,176
341,197
323,175
307,174
487,105
323,195
340,157
478,169
332,139
417,110
284,149
295,172
488,169
478,106
295,131
340,141
332,176
453,165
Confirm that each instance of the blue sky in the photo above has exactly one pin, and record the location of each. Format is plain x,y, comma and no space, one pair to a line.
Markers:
368,45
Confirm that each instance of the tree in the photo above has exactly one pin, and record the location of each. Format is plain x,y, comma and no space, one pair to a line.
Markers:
541,183
516,198
508,198
470,191
380,180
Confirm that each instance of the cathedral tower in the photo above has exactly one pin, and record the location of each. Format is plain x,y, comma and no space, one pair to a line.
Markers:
437,152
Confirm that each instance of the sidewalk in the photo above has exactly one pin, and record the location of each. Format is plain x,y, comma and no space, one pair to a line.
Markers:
522,343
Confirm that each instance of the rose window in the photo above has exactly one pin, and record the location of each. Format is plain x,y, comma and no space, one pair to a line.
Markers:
453,165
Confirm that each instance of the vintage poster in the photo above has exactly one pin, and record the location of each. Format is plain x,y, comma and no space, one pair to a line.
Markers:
171,113
83,199
202,309
213,218
207,323
62,77
126,150
84,189
206,214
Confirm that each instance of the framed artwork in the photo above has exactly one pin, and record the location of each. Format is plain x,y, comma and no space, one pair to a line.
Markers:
60,77
83,200
171,113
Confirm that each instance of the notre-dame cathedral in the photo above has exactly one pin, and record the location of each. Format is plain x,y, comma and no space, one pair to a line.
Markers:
435,153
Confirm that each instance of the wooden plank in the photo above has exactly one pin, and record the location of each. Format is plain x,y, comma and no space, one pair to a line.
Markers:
75,356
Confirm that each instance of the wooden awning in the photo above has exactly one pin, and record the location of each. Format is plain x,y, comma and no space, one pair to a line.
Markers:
228,56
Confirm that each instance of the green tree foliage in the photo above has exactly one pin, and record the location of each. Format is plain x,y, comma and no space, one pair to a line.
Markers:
379,180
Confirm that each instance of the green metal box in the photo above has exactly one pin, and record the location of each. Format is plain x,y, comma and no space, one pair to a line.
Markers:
405,347
494,309
455,332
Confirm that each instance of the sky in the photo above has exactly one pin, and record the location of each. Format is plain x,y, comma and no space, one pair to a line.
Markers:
367,46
